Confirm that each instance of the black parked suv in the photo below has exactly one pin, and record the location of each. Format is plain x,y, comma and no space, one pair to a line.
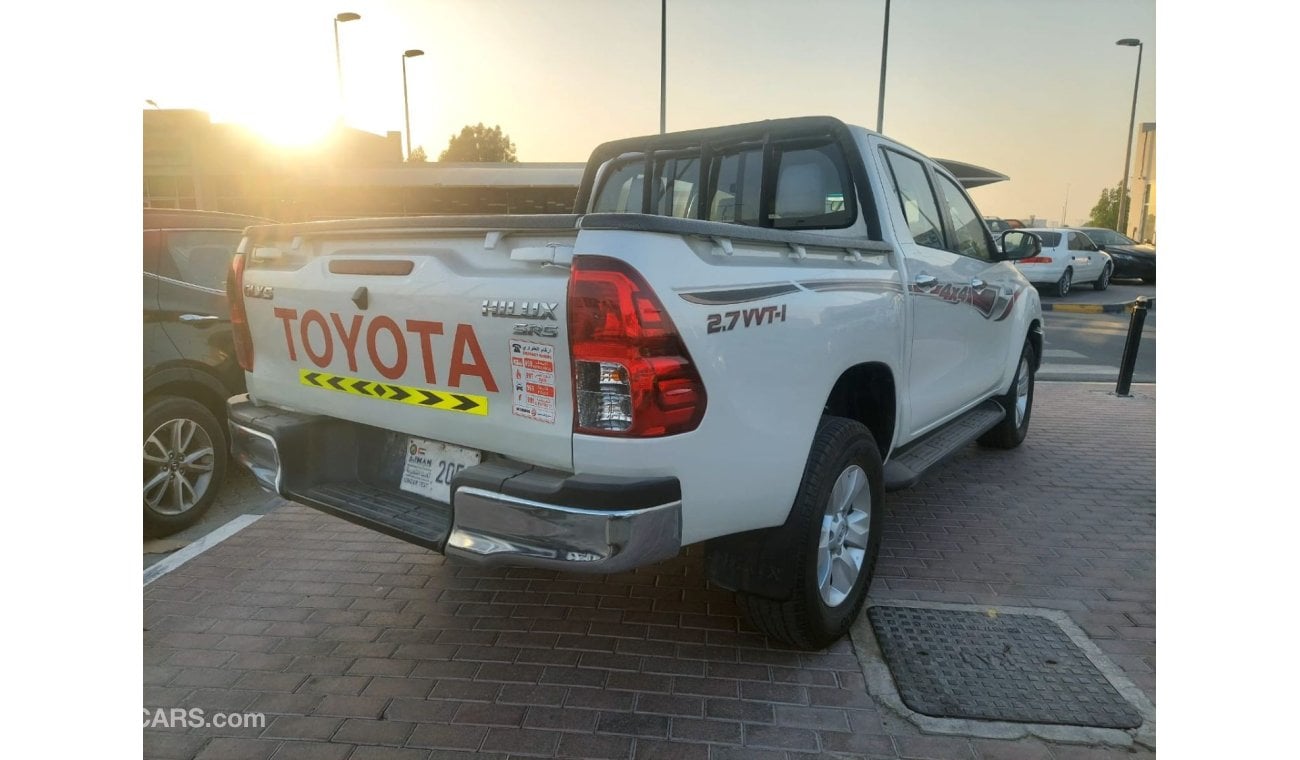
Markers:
189,362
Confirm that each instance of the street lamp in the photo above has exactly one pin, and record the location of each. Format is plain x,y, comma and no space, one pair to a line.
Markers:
884,59
663,62
1120,217
406,103
338,60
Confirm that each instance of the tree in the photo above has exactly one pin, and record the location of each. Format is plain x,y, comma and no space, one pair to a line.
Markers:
480,143
1106,212
417,156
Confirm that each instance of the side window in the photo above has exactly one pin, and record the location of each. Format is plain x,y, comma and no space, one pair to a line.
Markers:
1076,244
917,199
623,189
199,257
970,236
737,179
675,186
811,189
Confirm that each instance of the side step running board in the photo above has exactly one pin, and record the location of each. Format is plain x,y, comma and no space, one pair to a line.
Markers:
906,467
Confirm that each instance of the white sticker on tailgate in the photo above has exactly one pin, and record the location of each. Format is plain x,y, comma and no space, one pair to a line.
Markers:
430,466
532,379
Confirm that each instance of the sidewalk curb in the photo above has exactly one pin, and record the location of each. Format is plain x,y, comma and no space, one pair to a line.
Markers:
1098,308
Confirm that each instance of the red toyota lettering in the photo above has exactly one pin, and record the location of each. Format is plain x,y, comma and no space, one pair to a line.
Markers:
310,318
287,316
349,338
477,366
425,330
398,368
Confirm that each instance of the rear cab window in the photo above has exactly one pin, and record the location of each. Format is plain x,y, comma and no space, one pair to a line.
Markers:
786,184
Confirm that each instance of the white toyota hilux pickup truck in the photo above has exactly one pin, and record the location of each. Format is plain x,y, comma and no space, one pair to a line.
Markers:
744,336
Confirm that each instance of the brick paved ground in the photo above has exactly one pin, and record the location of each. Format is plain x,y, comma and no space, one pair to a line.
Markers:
358,646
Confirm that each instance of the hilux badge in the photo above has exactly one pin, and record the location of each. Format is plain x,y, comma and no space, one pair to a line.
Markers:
520,309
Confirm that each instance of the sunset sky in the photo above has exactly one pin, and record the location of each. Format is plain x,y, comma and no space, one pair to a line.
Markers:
1036,89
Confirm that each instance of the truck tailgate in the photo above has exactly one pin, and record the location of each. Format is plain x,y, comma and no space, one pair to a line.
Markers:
447,329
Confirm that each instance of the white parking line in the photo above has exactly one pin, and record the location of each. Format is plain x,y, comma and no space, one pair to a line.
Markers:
1062,353
175,560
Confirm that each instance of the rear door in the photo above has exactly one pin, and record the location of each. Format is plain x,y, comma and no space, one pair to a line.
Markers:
456,336
191,293
943,321
1085,258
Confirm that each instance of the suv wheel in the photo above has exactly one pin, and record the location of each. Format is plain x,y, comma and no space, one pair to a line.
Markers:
1019,403
184,463
833,535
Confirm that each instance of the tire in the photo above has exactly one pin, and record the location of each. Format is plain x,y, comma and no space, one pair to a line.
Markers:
184,463
1062,287
1103,281
824,533
1011,431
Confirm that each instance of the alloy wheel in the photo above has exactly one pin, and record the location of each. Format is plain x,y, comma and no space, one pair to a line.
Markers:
842,545
1022,391
178,462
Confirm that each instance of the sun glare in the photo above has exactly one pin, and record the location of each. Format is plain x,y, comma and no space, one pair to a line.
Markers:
299,121
292,130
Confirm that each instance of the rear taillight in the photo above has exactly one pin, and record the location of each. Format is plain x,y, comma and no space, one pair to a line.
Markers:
631,374
1036,260
238,315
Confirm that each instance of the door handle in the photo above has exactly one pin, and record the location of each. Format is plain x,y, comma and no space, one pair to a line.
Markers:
977,283
926,280
198,318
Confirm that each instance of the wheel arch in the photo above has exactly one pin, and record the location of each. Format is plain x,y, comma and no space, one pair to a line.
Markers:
1035,338
189,383
867,393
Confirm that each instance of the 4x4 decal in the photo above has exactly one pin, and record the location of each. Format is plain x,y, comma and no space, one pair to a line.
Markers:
992,302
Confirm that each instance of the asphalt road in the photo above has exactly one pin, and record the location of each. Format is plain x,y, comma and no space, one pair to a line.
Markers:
1088,347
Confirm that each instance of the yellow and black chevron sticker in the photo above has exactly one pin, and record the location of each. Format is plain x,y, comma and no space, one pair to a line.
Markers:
405,394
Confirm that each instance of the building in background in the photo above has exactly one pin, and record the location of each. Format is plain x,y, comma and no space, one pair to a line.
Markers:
192,163
1141,221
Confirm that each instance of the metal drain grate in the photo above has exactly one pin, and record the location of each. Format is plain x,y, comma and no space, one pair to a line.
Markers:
1020,668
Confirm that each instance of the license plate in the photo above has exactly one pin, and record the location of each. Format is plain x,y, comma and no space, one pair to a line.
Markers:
431,465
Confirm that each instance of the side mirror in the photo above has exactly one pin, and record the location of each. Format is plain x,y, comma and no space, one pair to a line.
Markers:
1017,244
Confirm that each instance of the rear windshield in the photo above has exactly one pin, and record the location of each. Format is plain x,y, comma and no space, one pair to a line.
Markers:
1050,239
800,184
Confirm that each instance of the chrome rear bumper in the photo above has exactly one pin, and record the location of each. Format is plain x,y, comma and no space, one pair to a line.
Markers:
498,529
502,512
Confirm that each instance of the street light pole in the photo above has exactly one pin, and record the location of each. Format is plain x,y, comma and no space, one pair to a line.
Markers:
884,60
406,103
338,59
663,64
1121,215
